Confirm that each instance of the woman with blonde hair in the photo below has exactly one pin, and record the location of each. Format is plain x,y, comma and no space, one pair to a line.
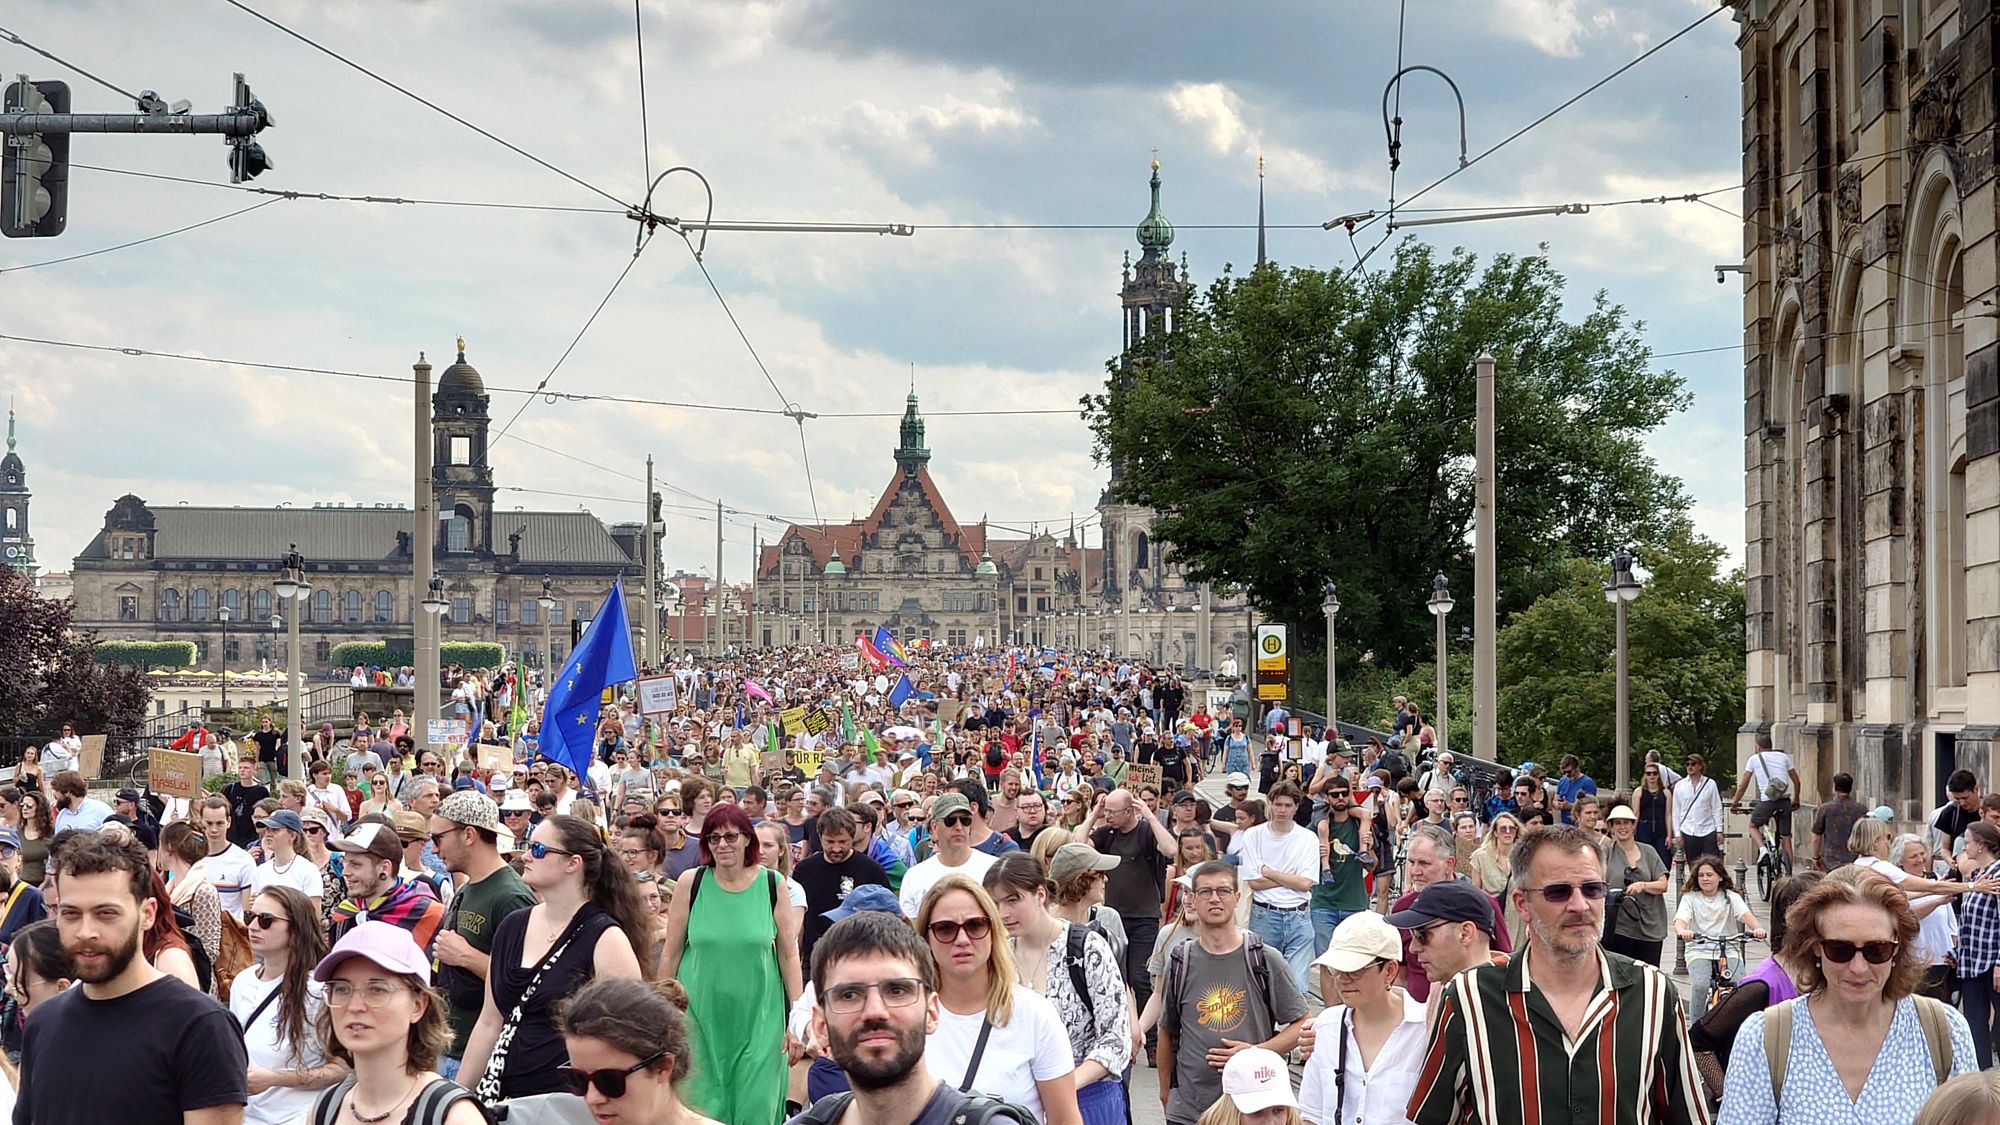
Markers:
1492,866
994,1035
1969,1099
1048,840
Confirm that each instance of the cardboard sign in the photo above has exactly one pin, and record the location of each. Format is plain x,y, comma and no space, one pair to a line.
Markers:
771,761
90,760
172,773
446,732
794,719
658,695
818,721
1144,774
850,661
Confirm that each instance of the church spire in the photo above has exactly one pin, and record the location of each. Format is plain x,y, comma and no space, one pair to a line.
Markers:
1260,209
1156,234
912,454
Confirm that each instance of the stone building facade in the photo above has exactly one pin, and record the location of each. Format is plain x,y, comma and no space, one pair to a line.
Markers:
166,572
17,542
1872,389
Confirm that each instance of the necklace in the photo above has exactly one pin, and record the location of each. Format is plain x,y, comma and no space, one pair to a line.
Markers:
384,1115
276,870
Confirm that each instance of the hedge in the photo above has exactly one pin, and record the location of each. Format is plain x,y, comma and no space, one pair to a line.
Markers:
383,654
146,654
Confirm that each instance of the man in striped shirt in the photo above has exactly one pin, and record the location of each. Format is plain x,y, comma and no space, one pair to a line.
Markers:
1566,1032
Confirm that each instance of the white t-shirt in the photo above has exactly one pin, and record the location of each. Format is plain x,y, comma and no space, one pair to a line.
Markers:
279,1105
231,870
300,874
1296,852
918,880
1766,766
1709,916
1033,1047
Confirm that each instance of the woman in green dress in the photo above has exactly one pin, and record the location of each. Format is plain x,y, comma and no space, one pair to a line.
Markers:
733,942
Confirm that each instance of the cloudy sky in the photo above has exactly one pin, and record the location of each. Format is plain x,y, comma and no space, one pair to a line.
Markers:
1036,117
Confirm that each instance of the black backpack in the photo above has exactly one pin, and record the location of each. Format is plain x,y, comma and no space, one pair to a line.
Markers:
204,967
1176,984
972,1109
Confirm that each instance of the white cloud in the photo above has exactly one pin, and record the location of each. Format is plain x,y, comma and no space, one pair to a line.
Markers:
912,130
1219,113
1554,27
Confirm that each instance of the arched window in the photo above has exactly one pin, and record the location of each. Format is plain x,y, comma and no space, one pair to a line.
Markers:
322,607
170,604
232,600
1142,556
260,604
350,606
198,605
458,531
385,607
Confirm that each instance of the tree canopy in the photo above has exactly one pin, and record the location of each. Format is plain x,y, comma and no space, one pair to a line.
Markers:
1300,426
49,674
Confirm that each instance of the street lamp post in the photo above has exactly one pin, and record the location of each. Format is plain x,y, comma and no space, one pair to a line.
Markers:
548,604
434,606
222,615
1330,605
1440,607
1622,588
293,587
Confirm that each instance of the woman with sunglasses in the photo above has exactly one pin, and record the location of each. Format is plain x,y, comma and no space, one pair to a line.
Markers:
1651,801
1075,806
628,1050
589,923
385,1022
277,1002
1858,1045
1636,869
994,1035
733,943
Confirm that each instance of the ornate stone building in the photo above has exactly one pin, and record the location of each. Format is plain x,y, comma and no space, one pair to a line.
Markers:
167,572
1872,389
17,543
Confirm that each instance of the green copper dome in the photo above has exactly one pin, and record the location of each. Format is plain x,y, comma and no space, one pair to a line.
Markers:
1155,232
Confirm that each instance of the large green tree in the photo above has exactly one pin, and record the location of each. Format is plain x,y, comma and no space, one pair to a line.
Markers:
1684,636
49,676
1300,426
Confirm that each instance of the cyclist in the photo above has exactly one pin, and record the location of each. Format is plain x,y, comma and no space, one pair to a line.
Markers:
1777,791
1708,903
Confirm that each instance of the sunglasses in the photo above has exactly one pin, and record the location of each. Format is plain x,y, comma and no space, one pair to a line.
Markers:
957,820
945,932
539,850
730,837
1841,952
264,919
610,1083
1422,935
315,830
1558,893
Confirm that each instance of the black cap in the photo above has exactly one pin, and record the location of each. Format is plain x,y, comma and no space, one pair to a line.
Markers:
129,794
1453,900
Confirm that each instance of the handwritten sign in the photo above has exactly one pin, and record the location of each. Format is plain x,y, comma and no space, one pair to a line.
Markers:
1143,773
446,732
173,773
850,661
809,760
658,695
818,721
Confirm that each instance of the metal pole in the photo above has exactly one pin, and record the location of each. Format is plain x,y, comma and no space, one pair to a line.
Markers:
1485,586
226,124
223,657
756,564
715,595
1204,640
1624,767
423,555
294,721
649,627
1331,732
1443,704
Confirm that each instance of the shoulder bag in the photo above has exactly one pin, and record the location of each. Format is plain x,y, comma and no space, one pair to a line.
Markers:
488,1089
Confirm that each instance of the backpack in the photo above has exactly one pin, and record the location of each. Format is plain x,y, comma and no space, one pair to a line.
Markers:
972,1109
204,967
233,957
1930,1013
770,884
1170,1004
1397,765
1777,787
432,1104
1077,934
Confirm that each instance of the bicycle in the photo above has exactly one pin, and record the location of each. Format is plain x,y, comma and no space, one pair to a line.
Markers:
1724,981
1773,865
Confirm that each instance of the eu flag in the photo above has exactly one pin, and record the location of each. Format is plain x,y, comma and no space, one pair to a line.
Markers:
602,658
900,694
885,643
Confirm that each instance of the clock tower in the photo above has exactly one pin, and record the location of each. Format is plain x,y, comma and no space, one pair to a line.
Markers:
17,547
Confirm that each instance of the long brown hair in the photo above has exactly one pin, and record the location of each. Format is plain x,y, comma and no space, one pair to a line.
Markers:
303,950
608,883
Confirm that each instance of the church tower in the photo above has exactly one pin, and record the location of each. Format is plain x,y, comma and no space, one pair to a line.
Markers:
17,546
1153,292
461,478
911,453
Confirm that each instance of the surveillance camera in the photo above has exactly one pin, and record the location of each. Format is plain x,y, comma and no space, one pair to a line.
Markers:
1718,276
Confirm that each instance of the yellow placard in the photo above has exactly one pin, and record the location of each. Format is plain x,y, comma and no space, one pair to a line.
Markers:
794,719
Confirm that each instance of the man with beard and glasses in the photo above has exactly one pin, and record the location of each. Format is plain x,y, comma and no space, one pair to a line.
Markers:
877,991
132,1043
1528,1040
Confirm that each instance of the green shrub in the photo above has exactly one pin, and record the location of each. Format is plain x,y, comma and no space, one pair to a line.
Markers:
146,654
392,654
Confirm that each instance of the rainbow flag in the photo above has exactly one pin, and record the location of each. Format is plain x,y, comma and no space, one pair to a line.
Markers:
891,648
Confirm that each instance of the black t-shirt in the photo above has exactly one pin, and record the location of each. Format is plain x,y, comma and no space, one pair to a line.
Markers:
538,1049
267,744
1953,819
1133,887
243,811
1027,841
826,886
143,1058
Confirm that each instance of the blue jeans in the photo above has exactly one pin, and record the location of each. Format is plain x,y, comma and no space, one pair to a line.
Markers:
1289,932
1324,920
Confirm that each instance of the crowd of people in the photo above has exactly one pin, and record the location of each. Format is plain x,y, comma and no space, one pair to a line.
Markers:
973,885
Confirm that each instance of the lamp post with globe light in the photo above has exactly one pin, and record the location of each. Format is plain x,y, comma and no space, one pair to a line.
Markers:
1330,605
293,589
1440,607
1621,590
547,602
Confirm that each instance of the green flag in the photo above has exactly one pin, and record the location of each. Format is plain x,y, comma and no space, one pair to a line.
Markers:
873,748
846,723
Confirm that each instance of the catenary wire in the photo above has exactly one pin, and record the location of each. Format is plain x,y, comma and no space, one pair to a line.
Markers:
20,42
330,197
141,241
421,100
577,339
645,128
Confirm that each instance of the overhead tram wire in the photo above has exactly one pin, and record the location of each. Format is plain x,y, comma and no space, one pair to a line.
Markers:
426,102
645,128
65,63
141,241
330,197
575,340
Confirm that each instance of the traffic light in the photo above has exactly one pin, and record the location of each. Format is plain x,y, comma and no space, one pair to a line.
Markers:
247,160
34,172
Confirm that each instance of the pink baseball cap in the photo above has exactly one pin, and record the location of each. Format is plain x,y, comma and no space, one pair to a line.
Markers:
389,946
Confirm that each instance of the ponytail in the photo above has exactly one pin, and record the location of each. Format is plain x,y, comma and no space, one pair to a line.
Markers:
609,883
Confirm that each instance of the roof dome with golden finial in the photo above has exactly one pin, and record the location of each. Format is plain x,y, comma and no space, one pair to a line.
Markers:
461,379
1155,232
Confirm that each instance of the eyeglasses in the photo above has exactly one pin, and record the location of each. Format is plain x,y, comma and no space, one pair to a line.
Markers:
847,999
1214,893
341,993
539,850
1558,893
263,919
729,837
945,932
957,820
610,1083
1375,964
1841,952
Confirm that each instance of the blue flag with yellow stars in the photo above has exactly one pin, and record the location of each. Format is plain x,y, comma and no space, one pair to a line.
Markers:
602,658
